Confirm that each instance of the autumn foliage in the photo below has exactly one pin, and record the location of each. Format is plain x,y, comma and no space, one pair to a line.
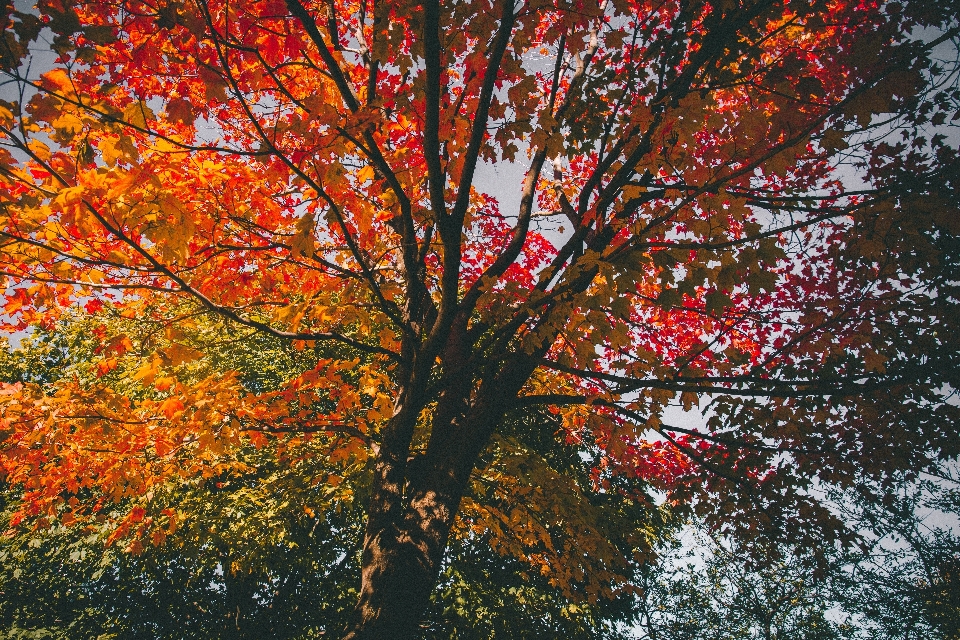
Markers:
747,207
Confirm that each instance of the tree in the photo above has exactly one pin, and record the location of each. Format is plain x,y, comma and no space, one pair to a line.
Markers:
263,550
904,583
720,592
710,209
900,584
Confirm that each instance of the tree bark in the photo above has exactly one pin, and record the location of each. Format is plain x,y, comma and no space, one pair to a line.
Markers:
404,548
402,556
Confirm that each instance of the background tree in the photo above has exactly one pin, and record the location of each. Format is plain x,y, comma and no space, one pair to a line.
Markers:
717,591
899,585
904,583
310,172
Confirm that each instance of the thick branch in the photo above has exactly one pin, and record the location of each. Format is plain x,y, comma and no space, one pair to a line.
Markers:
431,119
310,25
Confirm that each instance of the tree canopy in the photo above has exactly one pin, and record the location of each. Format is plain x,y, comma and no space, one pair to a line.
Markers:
745,207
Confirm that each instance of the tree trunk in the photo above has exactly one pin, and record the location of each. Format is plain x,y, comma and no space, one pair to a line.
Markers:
412,507
402,555
400,568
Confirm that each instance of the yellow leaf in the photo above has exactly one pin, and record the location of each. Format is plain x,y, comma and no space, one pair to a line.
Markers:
41,150
366,174
68,124
164,146
291,315
178,354
302,242
178,211
138,113
69,196
364,217
6,115
147,372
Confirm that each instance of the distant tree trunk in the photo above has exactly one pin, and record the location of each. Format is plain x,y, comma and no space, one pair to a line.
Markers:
239,592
